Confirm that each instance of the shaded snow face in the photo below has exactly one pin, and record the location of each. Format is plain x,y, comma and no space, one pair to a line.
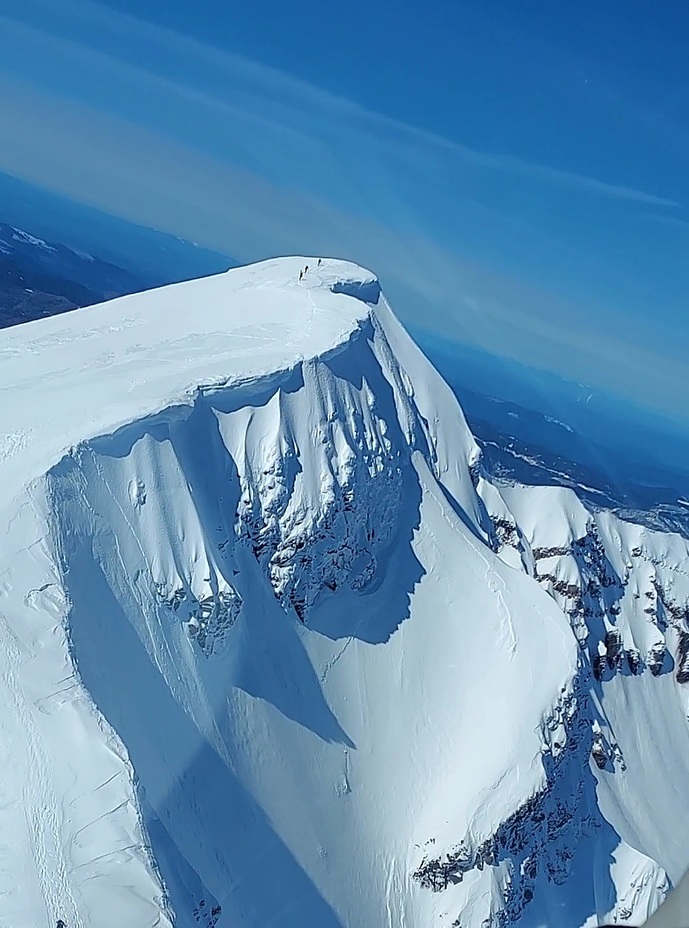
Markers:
329,674
267,571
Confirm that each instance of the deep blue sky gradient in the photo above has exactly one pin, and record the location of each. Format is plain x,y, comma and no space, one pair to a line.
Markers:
516,172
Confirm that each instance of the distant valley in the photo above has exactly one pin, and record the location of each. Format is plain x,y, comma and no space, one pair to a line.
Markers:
39,278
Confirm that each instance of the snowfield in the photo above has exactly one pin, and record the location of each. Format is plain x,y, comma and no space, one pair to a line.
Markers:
276,650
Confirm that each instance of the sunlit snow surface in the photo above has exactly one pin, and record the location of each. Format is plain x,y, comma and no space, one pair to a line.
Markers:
276,652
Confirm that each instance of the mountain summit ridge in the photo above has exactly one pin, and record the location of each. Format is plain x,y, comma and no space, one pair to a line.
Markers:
144,331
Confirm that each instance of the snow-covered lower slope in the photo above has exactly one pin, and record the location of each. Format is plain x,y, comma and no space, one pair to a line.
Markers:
276,651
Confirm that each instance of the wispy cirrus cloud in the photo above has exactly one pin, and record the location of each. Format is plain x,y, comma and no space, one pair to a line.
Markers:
235,87
672,221
161,129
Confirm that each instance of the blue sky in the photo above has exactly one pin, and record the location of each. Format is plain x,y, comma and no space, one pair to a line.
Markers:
515,172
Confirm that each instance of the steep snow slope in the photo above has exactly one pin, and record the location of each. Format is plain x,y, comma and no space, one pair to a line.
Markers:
276,652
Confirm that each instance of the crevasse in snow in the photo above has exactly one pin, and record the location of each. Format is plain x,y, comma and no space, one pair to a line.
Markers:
278,651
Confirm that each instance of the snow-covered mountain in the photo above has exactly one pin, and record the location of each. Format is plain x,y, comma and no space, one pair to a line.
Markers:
276,650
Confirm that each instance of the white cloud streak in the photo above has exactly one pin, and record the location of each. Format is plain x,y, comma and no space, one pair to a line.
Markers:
258,88
264,164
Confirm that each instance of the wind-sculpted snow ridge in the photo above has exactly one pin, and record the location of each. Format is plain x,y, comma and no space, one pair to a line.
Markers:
276,651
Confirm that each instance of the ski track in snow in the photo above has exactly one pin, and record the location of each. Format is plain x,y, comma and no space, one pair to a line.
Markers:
39,799
496,585
331,663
